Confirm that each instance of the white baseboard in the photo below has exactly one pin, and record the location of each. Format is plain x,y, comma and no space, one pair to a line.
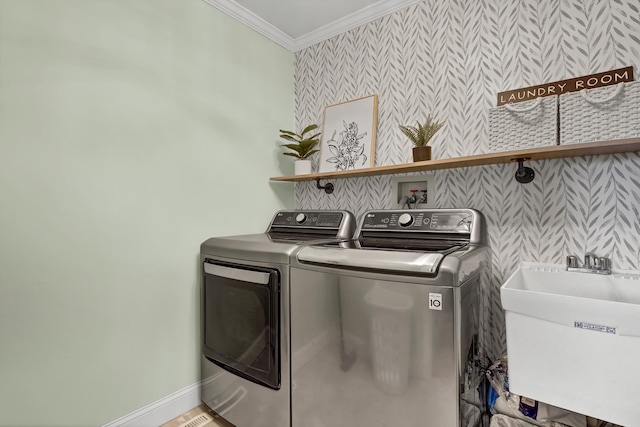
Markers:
161,411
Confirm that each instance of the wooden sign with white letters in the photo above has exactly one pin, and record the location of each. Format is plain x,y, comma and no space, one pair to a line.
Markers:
564,86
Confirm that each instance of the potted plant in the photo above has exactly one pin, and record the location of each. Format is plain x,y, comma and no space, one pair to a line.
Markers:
420,136
302,147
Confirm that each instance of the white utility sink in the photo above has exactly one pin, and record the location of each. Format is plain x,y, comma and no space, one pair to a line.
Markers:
573,339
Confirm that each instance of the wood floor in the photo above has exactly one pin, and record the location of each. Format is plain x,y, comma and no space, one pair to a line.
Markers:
191,419
194,418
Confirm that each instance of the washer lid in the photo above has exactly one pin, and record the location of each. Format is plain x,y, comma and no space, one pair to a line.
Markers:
405,262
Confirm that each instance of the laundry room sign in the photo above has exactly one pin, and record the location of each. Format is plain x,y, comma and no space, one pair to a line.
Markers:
591,81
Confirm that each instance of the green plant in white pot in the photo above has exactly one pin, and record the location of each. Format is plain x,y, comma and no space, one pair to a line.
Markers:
302,146
421,136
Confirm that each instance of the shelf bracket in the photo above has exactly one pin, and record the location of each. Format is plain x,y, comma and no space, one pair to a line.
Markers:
328,187
524,174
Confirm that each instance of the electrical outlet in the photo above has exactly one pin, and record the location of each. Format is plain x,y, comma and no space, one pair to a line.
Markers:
402,186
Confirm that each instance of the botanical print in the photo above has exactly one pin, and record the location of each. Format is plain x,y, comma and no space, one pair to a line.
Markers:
347,149
349,135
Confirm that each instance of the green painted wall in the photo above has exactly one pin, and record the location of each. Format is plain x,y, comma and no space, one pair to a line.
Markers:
130,130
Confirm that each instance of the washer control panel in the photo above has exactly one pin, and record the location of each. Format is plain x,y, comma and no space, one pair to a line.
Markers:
305,219
453,221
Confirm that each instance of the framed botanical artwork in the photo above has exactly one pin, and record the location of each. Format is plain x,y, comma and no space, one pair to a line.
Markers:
349,135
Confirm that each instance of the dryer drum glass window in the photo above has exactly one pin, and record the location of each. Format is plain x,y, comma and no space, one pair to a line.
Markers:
240,325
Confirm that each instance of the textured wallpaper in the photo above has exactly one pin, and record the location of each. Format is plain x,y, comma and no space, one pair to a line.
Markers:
450,58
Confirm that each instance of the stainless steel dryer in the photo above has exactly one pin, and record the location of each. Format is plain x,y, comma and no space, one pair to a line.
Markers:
384,330
245,315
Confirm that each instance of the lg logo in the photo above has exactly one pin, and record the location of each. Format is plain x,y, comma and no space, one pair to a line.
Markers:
435,301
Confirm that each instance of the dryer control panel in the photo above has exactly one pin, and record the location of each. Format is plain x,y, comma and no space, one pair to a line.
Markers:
306,223
308,219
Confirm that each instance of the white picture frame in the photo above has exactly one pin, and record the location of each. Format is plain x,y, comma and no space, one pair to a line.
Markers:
348,140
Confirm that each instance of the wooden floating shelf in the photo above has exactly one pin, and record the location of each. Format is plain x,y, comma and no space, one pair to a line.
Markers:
544,153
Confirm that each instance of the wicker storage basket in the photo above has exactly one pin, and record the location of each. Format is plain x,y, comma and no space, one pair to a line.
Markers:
611,112
528,124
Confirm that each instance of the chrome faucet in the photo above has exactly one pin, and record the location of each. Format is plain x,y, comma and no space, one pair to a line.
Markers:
572,261
590,260
592,264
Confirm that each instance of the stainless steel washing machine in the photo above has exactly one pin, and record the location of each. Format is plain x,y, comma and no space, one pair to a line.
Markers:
384,330
246,317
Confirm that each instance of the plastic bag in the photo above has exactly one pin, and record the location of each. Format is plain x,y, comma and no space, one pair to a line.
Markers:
504,421
502,401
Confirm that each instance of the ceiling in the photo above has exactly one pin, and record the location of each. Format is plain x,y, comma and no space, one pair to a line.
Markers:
298,24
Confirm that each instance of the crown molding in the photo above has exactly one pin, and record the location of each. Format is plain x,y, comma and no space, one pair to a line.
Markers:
339,26
254,22
351,21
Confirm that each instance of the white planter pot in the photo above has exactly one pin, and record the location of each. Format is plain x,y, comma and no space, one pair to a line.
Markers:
302,167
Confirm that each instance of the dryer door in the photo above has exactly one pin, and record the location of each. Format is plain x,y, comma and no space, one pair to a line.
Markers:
241,331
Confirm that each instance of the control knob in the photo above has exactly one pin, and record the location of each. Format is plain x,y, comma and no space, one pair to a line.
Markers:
300,218
405,220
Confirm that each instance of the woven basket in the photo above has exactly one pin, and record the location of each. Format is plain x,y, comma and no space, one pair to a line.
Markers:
524,125
611,112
